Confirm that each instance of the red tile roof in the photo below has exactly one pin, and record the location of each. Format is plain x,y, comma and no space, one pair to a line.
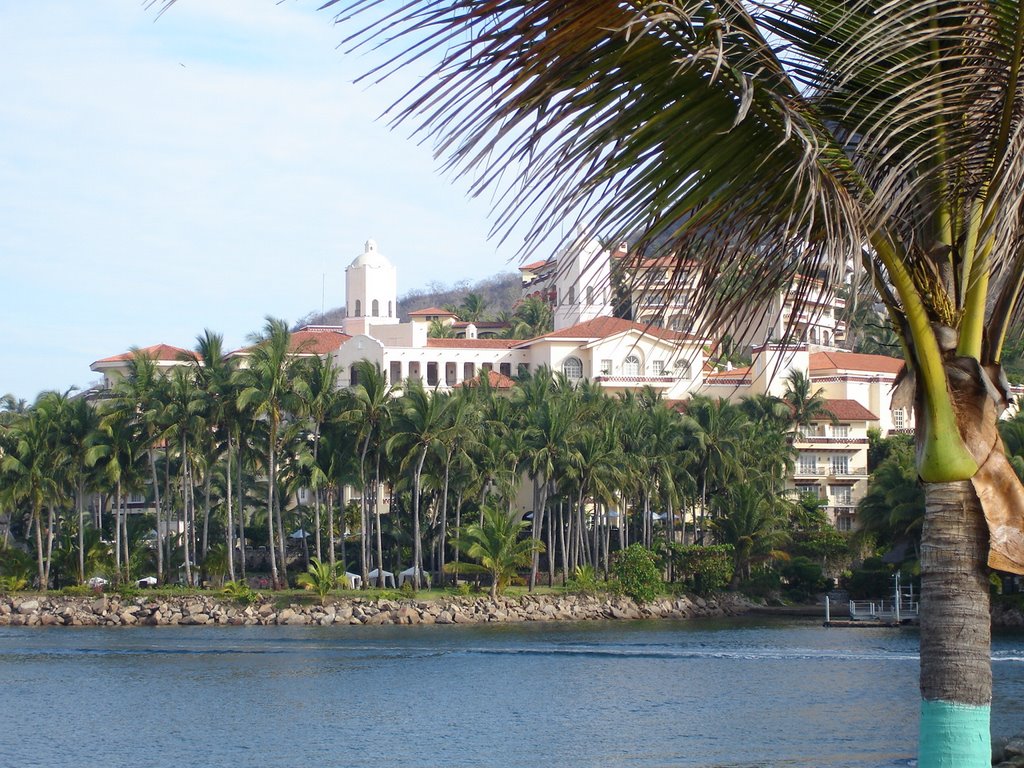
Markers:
158,352
472,343
495,379
432,311
312,340
533,265
317,341
854,361
735,373
848,410
603,327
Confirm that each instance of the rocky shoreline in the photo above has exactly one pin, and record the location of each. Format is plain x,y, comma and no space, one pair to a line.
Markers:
111,610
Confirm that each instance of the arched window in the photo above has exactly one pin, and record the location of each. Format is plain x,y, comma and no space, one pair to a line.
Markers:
572,368
375,311
353,375
359,308
631,366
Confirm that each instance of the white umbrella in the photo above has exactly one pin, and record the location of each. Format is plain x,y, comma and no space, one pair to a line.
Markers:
299,534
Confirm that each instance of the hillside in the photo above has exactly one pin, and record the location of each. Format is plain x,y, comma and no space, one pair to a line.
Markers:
499,293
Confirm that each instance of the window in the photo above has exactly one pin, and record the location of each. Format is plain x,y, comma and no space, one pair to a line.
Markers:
683,369
571,298
899,419
353,375
468,370
572,368
808,489
375,308
505,368
590,294
840,465
841,430
606,367
808,464
395,373
631,366
844,523
359,308
389,310
431,374
659,367
841,494
523,369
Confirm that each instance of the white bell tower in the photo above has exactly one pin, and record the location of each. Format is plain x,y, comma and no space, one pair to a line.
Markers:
371,291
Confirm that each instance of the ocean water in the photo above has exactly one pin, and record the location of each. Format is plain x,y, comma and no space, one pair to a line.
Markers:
734,693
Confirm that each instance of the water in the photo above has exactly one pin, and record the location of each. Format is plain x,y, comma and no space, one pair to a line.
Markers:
738,693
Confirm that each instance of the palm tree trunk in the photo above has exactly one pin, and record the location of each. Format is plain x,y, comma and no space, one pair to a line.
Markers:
117,532
956,673
231,521
37,521
562,540
206,512
184,504
376,515
159,528
241,508
541,498
444,525
330,530
316,497
364,519
270,506
417,545
282,539
80,509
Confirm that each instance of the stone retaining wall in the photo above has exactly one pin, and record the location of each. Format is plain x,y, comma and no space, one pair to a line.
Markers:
112,610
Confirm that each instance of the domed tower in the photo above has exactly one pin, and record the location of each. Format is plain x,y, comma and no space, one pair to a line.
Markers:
371,291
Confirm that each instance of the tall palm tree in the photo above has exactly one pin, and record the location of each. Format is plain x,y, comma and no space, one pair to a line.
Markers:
28,469
806,403
497,545
370,406
418,425
267,391
319,389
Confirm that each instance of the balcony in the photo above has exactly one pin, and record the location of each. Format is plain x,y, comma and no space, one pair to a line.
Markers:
618,380
829,440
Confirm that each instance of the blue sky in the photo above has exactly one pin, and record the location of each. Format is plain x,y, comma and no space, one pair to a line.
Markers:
203,169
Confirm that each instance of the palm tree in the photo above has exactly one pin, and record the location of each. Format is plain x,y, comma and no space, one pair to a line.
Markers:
439,329
472,307
418,425
27,467
752,524
806,404
497,545
267,391
320,392
715,430
370,407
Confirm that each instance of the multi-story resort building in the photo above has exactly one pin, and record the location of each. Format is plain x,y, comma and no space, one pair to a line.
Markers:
618,354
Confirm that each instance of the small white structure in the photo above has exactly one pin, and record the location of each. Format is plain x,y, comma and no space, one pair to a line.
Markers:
375,578
409,574
354,580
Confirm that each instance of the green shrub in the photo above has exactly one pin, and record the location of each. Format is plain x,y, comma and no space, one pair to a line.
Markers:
584,580
765,584
240,592
706,569
13,583
804,578
872,580
637,571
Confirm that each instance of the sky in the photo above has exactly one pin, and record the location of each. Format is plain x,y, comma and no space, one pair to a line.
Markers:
203,168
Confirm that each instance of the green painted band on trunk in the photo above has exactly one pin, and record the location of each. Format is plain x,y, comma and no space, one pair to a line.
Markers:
955,735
